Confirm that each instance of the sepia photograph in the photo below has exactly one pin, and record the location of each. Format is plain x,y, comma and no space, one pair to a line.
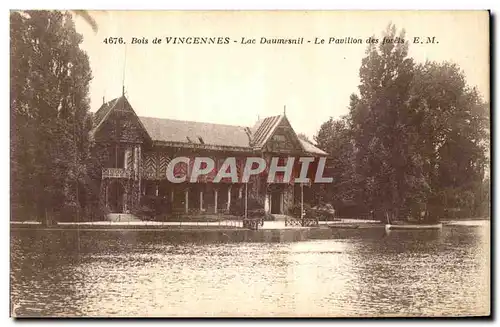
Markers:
256,164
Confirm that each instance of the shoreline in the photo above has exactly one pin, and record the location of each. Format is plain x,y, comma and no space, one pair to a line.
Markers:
178,225
272,231
226,225
224,231
211,234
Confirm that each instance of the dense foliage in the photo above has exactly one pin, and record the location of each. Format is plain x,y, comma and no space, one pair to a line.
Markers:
50,119
322,213
415,141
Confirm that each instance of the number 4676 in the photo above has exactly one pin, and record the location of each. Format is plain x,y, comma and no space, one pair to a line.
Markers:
113,40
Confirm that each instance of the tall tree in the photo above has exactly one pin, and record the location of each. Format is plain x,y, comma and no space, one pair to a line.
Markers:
416,135
381,129
453,127
50,78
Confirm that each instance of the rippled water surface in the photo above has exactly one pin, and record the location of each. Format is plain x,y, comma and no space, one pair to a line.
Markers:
354,273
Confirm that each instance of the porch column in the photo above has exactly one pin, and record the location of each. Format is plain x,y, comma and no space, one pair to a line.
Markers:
267,205
125,200
106,195
246,200
136,167
201,200
157,187
301,200
240,191
128,152
186,199
282,202
215,204
172,196
229,197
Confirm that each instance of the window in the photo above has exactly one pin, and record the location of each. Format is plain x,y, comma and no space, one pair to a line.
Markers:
279,138
280,141
117,157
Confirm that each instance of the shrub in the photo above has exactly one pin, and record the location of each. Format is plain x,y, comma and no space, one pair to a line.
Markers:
143,212
237,207
319,212
261,213
256,213
97,211
323,213
269,217
68,212
255,209
155,204
294,211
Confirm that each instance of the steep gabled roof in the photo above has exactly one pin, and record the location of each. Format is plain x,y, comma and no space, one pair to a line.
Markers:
101,114
107,108
263,129
104,110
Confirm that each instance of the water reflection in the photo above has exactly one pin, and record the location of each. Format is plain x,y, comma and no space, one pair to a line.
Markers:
363,272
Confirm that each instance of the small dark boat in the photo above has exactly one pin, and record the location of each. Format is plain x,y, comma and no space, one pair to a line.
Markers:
413,226
343,226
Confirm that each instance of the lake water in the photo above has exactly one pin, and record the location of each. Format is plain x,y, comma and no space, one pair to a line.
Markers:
353,273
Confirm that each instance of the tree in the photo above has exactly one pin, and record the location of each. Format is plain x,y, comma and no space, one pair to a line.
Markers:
304,137
454,137
50,78
381,128
85,15
334,136
415,142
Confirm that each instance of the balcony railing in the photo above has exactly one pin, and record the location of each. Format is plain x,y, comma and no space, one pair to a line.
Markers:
116,173
151,175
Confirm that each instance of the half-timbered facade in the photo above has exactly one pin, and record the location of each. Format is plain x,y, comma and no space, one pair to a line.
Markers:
134,153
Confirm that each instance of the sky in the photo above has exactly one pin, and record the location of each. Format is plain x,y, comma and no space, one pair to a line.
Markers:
238,83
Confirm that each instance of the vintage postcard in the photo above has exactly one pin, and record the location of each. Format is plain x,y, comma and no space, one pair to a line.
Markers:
249,163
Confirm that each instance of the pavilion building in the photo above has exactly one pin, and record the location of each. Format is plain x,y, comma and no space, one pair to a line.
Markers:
134,153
